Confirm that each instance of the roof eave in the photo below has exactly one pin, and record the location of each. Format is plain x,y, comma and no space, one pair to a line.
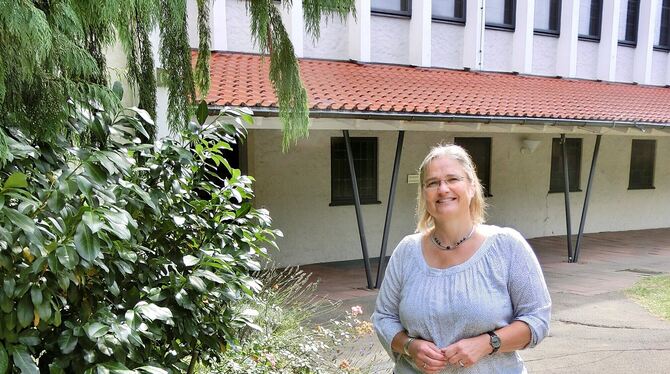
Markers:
398,116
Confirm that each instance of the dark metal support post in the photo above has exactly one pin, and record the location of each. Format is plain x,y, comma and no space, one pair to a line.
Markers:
357,204
586,197
566,182
389,209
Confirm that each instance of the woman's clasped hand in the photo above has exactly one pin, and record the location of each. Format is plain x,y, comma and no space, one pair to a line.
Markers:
464,353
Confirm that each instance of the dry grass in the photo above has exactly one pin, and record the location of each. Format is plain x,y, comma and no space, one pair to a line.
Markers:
654,294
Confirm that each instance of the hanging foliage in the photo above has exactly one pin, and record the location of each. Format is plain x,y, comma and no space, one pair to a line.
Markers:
271,36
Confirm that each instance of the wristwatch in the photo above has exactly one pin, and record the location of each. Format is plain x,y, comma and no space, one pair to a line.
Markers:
495,342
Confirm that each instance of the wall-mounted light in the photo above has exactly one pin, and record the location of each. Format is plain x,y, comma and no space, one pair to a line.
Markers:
529,145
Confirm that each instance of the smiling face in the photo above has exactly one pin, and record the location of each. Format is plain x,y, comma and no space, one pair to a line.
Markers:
447,190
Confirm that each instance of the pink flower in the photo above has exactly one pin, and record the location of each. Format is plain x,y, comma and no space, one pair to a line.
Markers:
356,310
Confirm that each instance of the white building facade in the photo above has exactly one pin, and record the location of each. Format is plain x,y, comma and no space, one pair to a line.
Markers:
625,41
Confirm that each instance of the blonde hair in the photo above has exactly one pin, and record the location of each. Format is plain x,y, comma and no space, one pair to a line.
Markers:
457,153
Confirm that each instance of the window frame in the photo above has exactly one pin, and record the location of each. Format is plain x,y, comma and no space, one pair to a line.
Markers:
665,4
456,20
578,162
549,32
626,42
589,37
336,141
485,180
642,185
504,26
391,12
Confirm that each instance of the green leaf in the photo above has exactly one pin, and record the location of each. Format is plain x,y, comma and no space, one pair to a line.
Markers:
197,283
153,312
244,209
23,360
84,185
19,219
36,295
190,260
25,311
87,245
179,220
118,224
67,342
211,276
8,286
96,173
95,330
16,180
4,359
29,337
67,256
44,310
152,369
202,112
92,221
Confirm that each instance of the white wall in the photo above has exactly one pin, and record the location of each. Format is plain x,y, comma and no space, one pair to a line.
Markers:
389,40
239,27
625,58
498,50
333,43
659,65
390,43
447,45
295,187
544,55
587,60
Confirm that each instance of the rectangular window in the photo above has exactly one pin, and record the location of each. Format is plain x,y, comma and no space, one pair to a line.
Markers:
500,13
364,151
449,10
628,20
548,16
642,160
400,7
574,151
480,151
663,26
590,15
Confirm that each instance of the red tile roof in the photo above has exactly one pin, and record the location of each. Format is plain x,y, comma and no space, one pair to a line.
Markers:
242,80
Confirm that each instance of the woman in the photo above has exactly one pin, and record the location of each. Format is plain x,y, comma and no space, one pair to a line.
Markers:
459,296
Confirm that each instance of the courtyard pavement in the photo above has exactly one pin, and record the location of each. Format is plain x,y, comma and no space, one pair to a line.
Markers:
595,327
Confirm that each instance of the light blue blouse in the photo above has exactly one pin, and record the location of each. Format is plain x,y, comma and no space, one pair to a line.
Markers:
501,283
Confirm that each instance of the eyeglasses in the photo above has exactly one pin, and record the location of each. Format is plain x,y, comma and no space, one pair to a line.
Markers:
433,184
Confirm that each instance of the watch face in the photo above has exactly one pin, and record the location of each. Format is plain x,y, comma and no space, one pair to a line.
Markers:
495,341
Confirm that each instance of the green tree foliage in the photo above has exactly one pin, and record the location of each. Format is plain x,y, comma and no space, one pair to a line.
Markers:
53,51
126,255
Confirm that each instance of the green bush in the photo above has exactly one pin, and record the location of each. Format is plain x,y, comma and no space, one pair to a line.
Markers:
124,255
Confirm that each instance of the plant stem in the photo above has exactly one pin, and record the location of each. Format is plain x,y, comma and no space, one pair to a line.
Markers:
194,360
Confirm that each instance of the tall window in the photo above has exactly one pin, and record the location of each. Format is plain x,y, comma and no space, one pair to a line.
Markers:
628,21
480,151
364,151
663,26
574,151
401,7
642,160
590,14
449,10
500,13
548,16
